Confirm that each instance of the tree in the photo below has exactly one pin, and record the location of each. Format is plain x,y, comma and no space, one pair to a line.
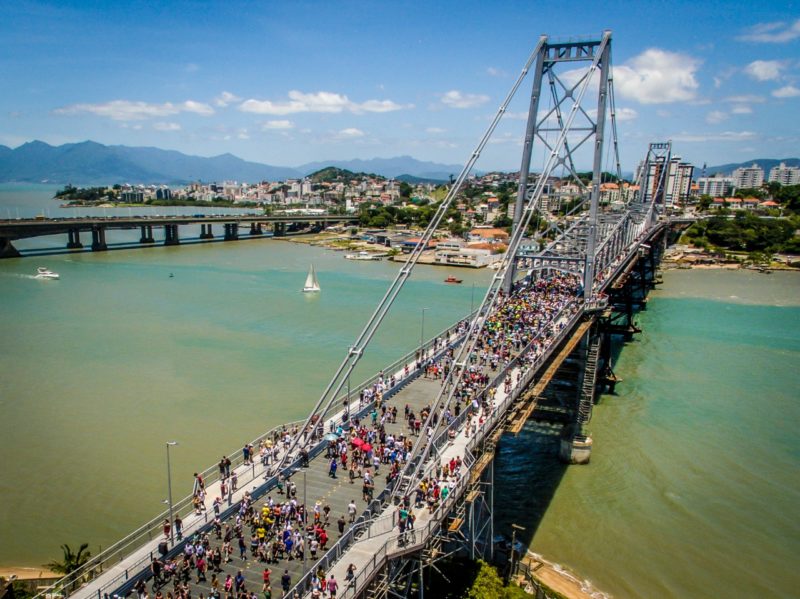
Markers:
405,189
72,561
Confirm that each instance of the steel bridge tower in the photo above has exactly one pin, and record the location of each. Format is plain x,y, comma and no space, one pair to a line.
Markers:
550,77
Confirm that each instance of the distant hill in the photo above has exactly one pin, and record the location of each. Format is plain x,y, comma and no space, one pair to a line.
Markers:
332,173
765,163
412,180
91,163
390,167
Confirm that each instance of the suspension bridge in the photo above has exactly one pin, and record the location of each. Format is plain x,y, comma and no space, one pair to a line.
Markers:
579,281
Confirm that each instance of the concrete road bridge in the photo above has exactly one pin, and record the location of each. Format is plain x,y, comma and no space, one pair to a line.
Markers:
584,277
230,225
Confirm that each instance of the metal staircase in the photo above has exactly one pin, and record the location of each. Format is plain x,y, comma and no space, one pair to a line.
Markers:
589,382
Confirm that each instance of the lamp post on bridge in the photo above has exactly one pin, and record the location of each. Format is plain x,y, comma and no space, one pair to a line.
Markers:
422,336
169,494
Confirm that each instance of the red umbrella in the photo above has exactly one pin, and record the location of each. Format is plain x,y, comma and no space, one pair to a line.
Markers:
357,442
366,447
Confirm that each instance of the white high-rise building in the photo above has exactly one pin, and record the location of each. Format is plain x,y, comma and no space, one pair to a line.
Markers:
718,186
785,175
748,177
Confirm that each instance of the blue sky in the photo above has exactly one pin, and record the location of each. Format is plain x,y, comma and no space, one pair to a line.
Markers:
291,82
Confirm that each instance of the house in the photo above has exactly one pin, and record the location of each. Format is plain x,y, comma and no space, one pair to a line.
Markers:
488,234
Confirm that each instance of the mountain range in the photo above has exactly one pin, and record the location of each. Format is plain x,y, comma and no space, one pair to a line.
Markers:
764,163
91,163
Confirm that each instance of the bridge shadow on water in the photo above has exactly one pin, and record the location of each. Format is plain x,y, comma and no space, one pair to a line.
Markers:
527,472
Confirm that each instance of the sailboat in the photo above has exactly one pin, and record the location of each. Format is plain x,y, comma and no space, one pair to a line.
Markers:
311,281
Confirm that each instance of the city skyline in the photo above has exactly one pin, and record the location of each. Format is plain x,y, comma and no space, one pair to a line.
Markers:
289,84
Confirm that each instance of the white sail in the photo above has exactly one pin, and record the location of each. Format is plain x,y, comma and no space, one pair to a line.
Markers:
311,280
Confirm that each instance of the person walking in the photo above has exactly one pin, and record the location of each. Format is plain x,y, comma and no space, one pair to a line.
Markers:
332,469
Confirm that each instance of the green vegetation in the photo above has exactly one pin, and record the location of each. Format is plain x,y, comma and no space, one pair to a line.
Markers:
88,194
377,216
72,561
489,585
746,232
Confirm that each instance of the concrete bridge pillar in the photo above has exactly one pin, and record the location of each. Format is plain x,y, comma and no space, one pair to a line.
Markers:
74,239
7,249
255,229
205,232
147,234
99,239
279,229
171,236
231,231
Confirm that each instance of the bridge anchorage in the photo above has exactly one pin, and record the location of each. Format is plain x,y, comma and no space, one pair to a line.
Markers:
560,294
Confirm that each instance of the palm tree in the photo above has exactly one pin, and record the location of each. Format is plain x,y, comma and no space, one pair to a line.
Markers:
72,561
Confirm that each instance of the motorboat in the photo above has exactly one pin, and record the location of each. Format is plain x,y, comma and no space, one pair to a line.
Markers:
452,279
44,273
363,255
312,284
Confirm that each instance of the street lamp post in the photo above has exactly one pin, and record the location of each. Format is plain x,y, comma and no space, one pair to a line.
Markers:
169,494
422,335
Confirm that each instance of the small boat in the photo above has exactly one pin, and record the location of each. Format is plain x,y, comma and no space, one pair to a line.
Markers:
452,279
43,273
312,284
363,256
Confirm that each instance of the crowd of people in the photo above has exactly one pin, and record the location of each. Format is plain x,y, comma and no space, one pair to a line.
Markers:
280,529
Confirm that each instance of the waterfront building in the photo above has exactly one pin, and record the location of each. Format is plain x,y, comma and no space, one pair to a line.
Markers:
748,177
785,175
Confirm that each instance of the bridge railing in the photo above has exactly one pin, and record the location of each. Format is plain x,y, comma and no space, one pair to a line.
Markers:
153,529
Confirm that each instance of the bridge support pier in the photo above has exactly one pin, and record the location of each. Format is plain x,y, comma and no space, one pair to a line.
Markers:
99,239
147,234
279,229
231,231
7,249
171,235
255,229
206,232
74,242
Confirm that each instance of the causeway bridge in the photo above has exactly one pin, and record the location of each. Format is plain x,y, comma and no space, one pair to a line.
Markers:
230,228
609,259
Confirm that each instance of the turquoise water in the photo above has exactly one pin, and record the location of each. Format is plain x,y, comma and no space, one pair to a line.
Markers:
693,489
100,368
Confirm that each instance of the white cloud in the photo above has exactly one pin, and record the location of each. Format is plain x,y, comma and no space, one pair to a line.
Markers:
126,110
626,114
494,72
741,109
733,136
746,99
434,130
197,108
350,133
764,70
280,124
243,134
787,91
318,102
457,99
716,116
166,126
772,33
658,77
226,98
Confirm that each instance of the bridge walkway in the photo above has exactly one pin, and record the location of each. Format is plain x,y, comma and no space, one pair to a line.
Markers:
319,486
